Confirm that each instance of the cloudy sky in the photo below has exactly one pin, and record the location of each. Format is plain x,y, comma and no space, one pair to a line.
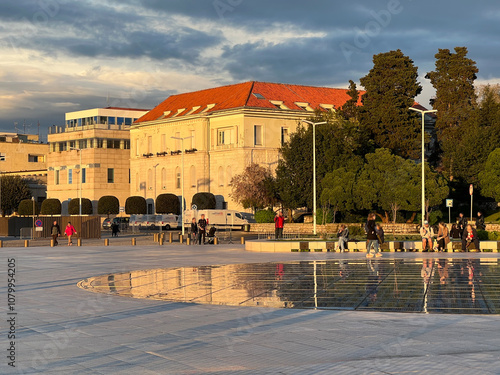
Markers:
60,55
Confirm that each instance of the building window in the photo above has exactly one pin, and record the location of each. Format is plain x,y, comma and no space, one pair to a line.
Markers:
126,144
257,135
111,175
120,120
2,156
225,136
229,175
84,175
82,143
177,178
99,143
111,120
284,136
128,121
56,177
91,143
192,176
221,176
33,158
113,143
70,176
150,144
63,146
72,144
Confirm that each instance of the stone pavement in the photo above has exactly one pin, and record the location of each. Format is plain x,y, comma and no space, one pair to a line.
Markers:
62,329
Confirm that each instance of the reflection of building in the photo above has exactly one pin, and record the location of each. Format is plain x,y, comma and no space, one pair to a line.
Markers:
23,155
225,129
103,136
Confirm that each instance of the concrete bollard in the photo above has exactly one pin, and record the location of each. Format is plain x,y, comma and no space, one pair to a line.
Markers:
106,242
26,243
181,238
133,241
188,241
1,243
242,240
216,240
170,237
155,237
161,241
79,242
52,243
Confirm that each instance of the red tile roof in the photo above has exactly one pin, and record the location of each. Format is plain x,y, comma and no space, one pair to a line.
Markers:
241,95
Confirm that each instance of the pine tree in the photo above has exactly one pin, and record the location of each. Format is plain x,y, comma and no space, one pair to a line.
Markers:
350,109
391,87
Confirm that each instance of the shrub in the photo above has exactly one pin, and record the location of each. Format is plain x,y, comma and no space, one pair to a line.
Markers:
204,201
74,206
356,230
136,206
108,205
51,206
168,204
26,207
265,216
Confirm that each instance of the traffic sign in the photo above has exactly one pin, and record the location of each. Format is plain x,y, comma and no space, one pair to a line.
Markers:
471,189
194,207
449,203
39,223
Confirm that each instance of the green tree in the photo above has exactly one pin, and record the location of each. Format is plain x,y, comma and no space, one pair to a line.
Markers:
108,205
391,87
338,143
26,207
168,204
350,109
136,205
489,178
254,187
13,190
455,102
51,206
74,206
204,201
436,189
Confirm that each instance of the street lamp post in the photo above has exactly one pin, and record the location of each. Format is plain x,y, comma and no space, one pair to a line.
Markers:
33,230
182,179
313,124
81,182
423,157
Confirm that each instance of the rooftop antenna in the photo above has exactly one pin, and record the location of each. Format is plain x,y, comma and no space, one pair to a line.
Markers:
38,130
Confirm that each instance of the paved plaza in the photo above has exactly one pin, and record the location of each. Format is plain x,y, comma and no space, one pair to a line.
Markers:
62,329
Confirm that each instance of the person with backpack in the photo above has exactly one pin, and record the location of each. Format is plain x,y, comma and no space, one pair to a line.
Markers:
343,235
371,237
427,233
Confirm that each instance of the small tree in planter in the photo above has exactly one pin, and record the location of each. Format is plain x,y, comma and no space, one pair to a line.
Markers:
26,208
168,204
108,205
204,201
51,206
136,206
74,206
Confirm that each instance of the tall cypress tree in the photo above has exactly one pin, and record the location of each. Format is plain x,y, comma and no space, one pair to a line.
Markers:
455,102
391,87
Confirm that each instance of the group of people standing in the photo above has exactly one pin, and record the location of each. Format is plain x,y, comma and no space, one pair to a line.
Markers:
55,232
199,230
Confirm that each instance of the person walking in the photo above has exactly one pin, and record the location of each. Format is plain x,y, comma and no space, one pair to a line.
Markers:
55,231
115,228
480,221
427,233
194,231
343,235
69,231
371,237
202,229
443,237
279,223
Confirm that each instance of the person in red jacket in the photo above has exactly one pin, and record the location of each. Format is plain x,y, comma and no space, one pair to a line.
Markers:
279,222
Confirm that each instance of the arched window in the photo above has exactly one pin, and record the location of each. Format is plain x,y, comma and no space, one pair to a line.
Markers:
229,175
177,178
192,176
221,176
163,178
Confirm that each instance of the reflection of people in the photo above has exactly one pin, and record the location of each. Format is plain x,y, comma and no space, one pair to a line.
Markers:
69,231
373,280
426,270
343,269
443,237
279,222
469,237
55,231
202,229
371,237
443,271
480,221
426,232
343,235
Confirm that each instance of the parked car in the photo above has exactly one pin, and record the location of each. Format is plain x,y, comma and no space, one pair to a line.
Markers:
123,222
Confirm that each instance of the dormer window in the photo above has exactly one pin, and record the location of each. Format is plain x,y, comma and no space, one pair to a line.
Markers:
194,109
257,95
208,108
179,111
304,106
278,104
328,107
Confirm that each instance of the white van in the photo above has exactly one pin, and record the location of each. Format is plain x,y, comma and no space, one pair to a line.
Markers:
169,221
220,218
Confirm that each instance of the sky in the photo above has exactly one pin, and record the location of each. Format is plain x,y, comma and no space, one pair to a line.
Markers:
59,56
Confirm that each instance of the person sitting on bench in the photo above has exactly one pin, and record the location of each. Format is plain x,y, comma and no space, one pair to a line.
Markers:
470,237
